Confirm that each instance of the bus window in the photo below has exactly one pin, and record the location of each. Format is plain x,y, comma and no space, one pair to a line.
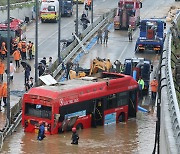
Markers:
122,98
111,101
40,111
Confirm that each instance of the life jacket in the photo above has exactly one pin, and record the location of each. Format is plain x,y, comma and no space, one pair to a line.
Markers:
23,47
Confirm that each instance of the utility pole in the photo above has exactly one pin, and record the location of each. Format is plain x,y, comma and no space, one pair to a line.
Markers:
36,44
8,66
76,22
92,12
59,33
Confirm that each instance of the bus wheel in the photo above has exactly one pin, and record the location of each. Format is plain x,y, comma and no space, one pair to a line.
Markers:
79,126
121,117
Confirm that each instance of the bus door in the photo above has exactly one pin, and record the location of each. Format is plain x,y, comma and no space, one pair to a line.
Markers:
99,112
132,107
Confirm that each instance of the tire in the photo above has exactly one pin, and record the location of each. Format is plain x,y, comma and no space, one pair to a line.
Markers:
42,20
79,126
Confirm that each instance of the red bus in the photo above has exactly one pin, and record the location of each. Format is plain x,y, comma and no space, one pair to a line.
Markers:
82,103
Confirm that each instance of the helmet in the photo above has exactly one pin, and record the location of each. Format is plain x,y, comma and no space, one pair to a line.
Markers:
73,129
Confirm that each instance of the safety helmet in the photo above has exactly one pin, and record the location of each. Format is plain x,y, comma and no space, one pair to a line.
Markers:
73,129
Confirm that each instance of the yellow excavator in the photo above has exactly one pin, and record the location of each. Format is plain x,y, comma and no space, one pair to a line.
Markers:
97,65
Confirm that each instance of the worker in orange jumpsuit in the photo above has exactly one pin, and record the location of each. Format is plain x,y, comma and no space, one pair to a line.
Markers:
17,57
4,94
3,50
154,87
2,69
1,86
19,46
24,48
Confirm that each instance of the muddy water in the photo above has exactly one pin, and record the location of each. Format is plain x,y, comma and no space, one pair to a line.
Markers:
134,137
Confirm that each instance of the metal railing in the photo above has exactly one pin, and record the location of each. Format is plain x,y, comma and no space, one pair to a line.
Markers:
170,114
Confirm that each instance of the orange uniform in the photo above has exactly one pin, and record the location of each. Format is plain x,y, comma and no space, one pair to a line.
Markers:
16,55
4,90
154,85
2,68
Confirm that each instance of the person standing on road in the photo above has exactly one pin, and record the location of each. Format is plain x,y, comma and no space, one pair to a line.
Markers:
106,33
33,50
141,87
154,87
86,7
41,69
12,70
117,63
2,69
29,49
99,36
4,94
3,50
24,47
27,73
17,57
1,86
130,30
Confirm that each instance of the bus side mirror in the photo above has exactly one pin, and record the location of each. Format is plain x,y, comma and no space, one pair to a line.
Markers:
140,5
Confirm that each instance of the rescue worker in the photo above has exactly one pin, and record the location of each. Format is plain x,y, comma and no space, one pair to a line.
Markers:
41,69
68,67
41,132
108,65
83,15
43,61
29,49
117,63
23,53
99,36
17,57
75,136
3,50
154,87
2,69
106,33
130,30
4,94
141,86
1,86
19,46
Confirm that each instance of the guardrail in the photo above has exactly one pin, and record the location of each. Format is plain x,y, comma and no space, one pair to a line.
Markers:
67,54
170,114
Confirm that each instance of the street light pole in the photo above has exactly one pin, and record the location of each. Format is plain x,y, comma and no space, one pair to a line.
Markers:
8,65
76,24
92,12
36,44
59,33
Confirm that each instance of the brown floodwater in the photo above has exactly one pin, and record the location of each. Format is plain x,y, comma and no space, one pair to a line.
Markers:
134,137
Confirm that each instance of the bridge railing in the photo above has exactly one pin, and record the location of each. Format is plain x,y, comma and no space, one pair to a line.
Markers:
170,114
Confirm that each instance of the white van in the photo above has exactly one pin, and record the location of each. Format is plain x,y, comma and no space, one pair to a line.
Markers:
49,10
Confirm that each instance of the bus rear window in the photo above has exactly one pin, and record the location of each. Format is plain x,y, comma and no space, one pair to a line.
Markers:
39,111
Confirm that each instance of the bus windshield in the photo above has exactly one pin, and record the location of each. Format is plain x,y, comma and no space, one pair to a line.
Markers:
40,111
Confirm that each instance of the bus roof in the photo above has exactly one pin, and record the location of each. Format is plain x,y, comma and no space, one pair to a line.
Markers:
86,85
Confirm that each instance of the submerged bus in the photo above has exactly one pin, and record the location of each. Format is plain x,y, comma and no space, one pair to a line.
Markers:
82,103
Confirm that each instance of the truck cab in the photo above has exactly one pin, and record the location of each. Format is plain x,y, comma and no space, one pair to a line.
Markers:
128,13
151,35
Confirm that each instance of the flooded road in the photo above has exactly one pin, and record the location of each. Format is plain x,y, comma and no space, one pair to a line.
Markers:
134,137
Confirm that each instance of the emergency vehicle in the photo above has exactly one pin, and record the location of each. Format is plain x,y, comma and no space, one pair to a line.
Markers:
128,13
49,10
17,31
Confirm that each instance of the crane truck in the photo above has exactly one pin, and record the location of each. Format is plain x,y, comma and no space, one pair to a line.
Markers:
128,13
